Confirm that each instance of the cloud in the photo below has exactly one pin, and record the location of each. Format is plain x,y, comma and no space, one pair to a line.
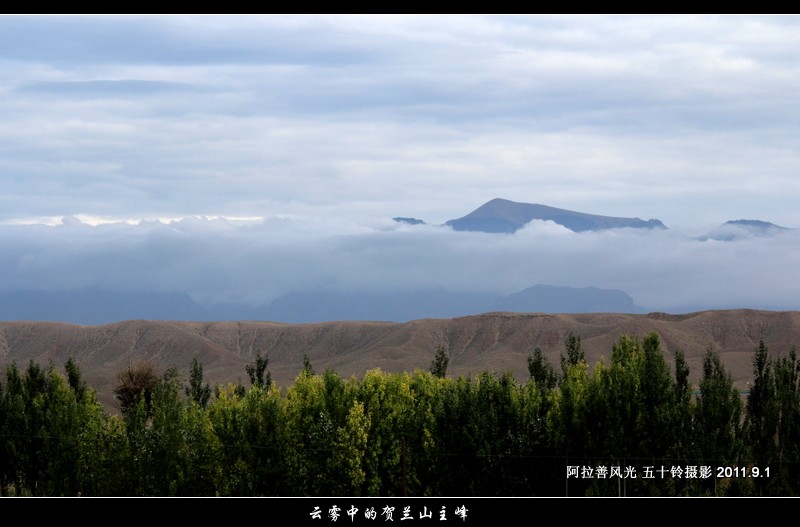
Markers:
688,119
216,260
326,126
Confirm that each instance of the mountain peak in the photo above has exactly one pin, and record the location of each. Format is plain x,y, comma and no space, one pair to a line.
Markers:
758,224
505,216
738,229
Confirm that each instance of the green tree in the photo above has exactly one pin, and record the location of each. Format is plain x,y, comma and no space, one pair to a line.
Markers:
151,423
15,437
311,427
762,411
307,368
457,464
257,371
575,354
682,449
440,362
196,391
233,420
718,418
422,442
42,423
537,455
199,454
76,382
785,477
497,433
613,405
567,422
655,426
541,371
105,457
349,448
390,406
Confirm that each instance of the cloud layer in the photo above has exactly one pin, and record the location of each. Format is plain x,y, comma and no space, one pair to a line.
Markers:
215,261
319,129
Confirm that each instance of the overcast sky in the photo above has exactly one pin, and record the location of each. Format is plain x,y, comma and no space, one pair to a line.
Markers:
287,144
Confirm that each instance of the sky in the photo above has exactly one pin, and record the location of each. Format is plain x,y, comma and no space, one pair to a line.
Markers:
240,158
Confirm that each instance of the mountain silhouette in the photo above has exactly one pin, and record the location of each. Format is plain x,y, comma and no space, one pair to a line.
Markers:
504,216
738,229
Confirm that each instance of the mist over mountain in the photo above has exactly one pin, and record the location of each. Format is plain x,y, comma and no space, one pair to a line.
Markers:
550,299
410,221
315,269
502,215
739,229
96,306
92,306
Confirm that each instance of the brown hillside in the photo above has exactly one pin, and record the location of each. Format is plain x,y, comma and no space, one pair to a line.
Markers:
493,341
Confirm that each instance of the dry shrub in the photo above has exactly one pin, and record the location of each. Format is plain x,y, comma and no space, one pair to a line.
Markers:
137,381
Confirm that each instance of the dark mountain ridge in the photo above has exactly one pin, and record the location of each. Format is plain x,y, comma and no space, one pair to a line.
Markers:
504,216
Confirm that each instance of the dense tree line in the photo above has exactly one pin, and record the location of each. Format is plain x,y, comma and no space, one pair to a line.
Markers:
632,425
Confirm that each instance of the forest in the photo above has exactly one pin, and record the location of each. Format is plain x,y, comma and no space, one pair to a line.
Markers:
629,426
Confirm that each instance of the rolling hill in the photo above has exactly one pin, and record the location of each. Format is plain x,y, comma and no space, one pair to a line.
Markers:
492,341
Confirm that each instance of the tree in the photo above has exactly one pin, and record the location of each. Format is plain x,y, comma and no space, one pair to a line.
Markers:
307,368
349,448
440,362
762,409
543,380
681,450
786,478
541,371
256,371
249,424
134,384
683,390
311,432
196,391
656,422
574,355
76,382
158,443
567,419
495,428
537,459
42,424
613,408
390,407
718,415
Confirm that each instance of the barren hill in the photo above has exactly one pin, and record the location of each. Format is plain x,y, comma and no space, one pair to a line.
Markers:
493,341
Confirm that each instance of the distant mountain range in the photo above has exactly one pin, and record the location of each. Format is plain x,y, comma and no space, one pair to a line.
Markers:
502,215
550,299
505,216
98,306
94,306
